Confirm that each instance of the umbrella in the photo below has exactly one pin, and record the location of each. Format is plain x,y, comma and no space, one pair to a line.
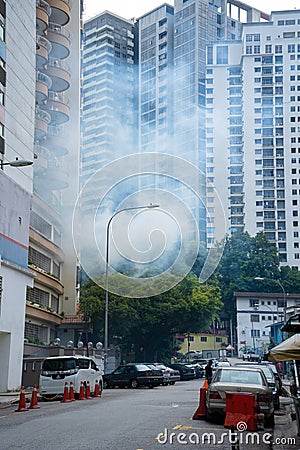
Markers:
286,350
229,347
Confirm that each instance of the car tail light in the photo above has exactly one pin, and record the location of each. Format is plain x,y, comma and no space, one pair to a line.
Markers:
263,398
214,394
148,374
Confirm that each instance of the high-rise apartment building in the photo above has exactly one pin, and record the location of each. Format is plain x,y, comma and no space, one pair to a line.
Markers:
166,47
253,158
197,23
17,102
56,168
109,117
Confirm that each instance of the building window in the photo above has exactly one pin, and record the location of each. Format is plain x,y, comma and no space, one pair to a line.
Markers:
203,339
254,318
255,333
222,54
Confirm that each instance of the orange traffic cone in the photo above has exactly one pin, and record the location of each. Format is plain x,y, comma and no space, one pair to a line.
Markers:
96,390
34,399
66,397
205,384
71,392
22,401
81,392
88,391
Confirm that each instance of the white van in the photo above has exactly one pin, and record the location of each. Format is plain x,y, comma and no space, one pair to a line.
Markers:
56,370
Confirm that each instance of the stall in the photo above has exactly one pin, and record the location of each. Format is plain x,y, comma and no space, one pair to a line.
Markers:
289,350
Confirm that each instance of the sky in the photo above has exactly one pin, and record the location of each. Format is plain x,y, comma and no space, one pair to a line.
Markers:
136,8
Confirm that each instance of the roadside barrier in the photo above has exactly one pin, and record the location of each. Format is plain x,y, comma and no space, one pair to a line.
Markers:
88,391
97,390
200,412
241,408
34,399
66,397
22,402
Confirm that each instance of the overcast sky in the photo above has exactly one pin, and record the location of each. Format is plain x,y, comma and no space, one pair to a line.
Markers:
136,8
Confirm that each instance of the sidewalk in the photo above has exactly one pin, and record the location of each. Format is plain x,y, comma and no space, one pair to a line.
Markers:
10,398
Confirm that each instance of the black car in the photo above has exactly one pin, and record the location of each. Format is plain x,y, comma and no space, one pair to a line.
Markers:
187,372
133,375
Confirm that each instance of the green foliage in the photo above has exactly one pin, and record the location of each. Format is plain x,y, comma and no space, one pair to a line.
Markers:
151,323
246,258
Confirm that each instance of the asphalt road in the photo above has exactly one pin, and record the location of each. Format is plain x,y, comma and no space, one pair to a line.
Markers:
126,419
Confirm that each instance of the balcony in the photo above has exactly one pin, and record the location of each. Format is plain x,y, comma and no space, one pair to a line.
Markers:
43,48
43,12
59,72
58,108
60,11
56,142
42,119
39,312
60,41
43,83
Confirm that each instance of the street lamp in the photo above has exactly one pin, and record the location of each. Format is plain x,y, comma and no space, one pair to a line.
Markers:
16,163
283,291
150,206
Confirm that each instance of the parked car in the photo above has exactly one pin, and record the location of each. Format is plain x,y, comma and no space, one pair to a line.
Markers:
250,356
241,380
170,375
133,375
271,379
199,370
187,372
57,370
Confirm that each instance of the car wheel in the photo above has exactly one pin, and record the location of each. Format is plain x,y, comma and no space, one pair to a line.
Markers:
269,421
151,386
172,383
134,384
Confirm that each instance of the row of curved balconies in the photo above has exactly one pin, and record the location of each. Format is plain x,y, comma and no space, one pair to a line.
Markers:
52,105
57,11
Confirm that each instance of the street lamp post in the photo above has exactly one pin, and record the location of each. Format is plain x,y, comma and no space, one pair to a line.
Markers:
150,206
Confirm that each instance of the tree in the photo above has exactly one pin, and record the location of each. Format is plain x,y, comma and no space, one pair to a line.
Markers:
245,258
151,323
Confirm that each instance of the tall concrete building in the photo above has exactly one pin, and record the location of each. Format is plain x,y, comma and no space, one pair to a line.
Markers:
56,168
109,117
197,23
254,160
39,116
17,103
166,48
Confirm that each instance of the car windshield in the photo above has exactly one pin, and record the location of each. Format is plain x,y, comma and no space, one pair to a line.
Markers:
142,368
53,365
239,377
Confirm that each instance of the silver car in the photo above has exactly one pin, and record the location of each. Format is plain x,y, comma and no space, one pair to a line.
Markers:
240,380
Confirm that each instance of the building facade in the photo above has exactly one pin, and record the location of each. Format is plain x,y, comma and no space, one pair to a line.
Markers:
260,317
253,162
56,168
17,86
